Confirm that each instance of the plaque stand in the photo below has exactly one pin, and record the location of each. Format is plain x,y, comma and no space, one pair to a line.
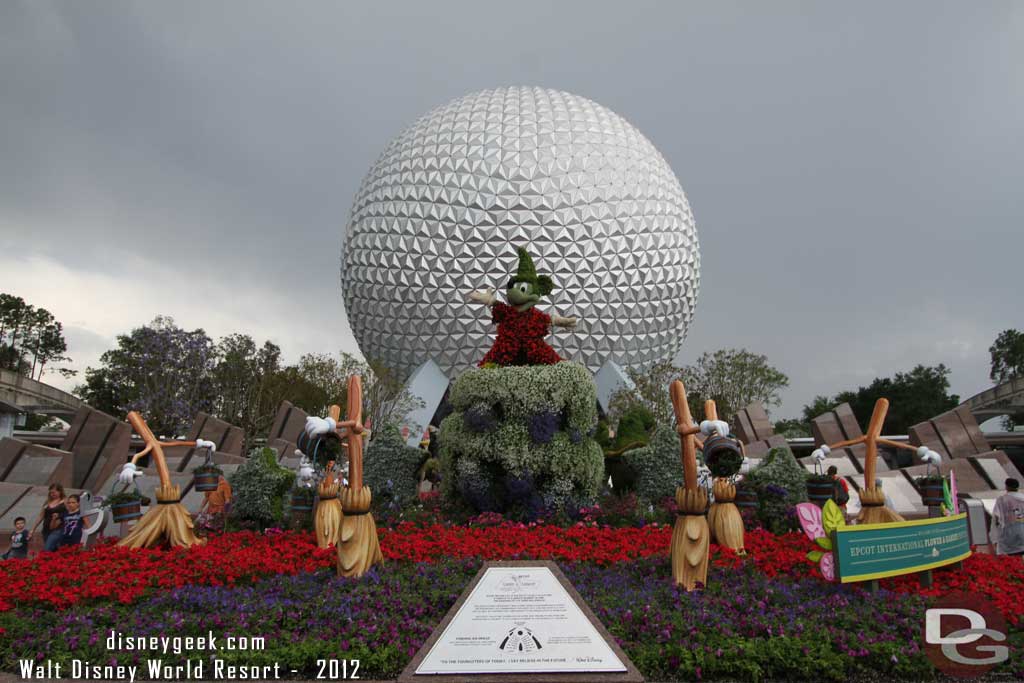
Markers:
630,675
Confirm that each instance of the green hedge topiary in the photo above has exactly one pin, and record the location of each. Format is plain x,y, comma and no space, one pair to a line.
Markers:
519,439
656,467
259,488
781,483
634,429
390,468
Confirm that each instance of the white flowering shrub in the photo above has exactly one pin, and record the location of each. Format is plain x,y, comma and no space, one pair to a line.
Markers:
390,468
259,488
520,439
657,468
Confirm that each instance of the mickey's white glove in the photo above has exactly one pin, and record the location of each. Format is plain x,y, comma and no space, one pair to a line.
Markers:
485,297
128,473
203,443
709,427
820,454
318,426
745,466
929,456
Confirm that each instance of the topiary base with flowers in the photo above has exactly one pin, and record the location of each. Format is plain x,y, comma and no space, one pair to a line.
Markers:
520,439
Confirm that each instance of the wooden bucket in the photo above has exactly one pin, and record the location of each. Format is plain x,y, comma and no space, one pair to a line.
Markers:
746,497
932,494
820,492
124,512
205,481
300,504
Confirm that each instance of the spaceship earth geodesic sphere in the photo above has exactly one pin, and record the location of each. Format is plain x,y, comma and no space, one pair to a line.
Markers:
441,212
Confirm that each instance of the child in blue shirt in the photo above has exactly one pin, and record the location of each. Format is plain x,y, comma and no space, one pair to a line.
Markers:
19,541
72,533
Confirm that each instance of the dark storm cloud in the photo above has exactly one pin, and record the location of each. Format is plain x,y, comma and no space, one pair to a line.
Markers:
854,168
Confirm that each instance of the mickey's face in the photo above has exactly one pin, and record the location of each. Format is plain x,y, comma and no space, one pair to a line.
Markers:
522,295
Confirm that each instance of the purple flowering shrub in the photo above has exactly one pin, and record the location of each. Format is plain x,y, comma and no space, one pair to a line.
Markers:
480,418
781,483
543,425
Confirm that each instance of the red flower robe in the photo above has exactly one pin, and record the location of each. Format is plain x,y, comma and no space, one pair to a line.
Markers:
520,337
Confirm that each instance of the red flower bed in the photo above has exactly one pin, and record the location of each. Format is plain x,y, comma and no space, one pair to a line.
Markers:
603,545
111,573
108,572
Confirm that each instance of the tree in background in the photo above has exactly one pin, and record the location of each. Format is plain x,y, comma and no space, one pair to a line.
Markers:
30,338
1007,353
651,392
246,381
320,380
793,429
819,406
169,375
160,370
914,397
734,378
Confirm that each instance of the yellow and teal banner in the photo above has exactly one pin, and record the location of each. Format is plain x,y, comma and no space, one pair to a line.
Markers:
876,551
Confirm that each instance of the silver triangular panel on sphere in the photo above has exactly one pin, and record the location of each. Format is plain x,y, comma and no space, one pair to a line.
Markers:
445,205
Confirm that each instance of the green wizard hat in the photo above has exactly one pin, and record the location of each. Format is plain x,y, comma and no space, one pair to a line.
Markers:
527,273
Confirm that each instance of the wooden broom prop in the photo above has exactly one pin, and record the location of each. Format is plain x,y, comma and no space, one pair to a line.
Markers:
690,535
724,517
358,547
872,499
168,519
329,515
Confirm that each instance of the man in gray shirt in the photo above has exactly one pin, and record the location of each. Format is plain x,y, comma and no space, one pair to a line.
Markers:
1008,521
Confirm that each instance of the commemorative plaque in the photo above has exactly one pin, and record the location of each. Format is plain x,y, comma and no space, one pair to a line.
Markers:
520,621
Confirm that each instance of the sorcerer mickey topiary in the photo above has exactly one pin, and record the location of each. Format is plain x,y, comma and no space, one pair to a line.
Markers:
521,327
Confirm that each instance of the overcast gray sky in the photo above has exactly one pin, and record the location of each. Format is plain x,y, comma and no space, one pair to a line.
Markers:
854,168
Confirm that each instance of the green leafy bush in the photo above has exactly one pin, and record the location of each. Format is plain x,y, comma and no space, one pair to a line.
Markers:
634,429
390,468
259,488
539,453
656,467
781,483
123,498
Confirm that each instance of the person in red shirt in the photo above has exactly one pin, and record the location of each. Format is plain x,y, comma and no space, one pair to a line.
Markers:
521,327
841,490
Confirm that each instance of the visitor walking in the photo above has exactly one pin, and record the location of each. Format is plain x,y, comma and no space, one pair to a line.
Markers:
71,533
19,541
52,518
840,489
1008,521
212,513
